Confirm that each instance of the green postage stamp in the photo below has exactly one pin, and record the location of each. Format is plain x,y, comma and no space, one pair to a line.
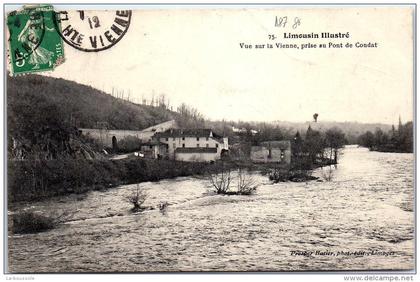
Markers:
34,43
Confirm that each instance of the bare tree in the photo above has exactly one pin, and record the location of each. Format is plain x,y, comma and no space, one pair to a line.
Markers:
327,174
221,180
137,198
246,183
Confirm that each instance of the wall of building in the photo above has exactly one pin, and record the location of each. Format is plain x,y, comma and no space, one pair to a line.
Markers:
261,154
192,142
104,136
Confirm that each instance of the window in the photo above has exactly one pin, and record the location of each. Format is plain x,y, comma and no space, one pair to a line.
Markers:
198,145
217,145
207,145
282,154
207,139
183,138
167,139
183,145
174,145
173,138
198,138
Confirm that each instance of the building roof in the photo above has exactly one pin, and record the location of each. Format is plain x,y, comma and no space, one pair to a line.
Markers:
200,132
153,143
196,150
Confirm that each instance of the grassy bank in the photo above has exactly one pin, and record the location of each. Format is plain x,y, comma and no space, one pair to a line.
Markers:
37,179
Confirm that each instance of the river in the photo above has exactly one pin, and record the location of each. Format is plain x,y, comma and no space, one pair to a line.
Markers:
360,220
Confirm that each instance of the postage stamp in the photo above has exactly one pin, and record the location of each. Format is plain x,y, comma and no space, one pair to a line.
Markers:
34,43
93,31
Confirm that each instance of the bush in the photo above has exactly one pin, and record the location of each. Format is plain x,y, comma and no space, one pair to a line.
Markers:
278,175
137,199
129,144
327,174
298,175
29,222
247,185
221,179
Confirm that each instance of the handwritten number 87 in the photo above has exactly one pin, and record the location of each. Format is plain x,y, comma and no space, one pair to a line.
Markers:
282,21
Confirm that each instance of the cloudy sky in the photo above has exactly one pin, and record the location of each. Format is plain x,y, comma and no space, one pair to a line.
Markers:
193,56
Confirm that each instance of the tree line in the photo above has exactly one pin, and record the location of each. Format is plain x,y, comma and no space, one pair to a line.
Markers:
396,140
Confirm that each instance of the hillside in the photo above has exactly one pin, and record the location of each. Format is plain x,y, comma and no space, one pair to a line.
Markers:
43,114
81,105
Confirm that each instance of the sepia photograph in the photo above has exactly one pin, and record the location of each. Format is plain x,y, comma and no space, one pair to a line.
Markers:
209,139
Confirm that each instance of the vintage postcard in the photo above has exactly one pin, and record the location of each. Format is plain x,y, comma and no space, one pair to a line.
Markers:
210,138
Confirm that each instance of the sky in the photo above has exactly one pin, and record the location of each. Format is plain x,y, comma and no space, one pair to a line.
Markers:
194,56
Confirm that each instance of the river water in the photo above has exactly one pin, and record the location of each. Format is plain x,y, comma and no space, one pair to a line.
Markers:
360,220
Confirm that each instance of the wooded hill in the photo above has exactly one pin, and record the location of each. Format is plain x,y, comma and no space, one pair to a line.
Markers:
77,104
43,115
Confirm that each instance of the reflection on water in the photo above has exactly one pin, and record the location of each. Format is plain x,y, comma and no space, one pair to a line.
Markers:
367,206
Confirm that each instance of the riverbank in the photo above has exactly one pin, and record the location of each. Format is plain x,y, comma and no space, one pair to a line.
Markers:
33,180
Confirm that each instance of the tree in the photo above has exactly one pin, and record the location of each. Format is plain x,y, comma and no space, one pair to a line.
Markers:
381,138
297,145
334,139
247,185
220,180
313,144
367,140
129,144
137,198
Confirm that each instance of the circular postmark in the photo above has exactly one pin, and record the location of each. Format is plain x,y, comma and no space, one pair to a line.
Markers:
92,31
27,30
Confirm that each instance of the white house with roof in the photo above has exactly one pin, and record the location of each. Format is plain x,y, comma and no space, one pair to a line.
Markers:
200,145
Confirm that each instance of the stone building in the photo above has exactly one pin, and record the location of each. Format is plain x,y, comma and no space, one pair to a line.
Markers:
200,145
272,152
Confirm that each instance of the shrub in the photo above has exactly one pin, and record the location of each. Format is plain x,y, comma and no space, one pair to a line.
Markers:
247,185
220,180
137,198
278,175
129,144
30,222
327,174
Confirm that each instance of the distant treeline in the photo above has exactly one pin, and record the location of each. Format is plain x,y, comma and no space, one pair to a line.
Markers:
396,140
